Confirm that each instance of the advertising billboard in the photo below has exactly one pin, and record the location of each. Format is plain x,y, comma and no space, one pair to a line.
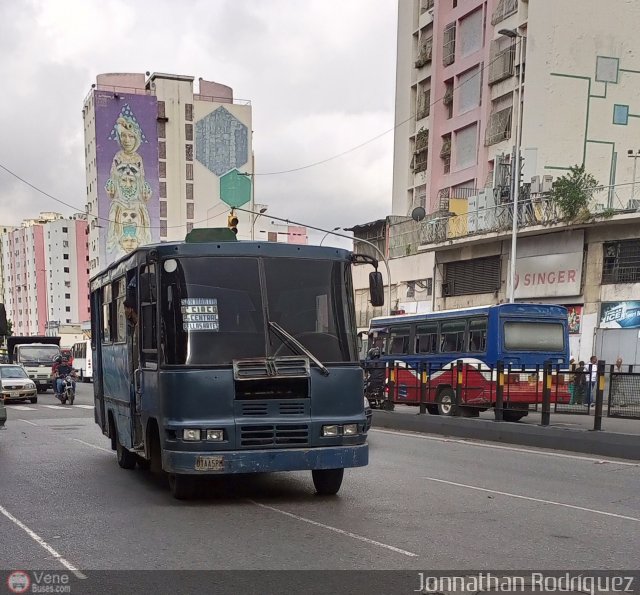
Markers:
620,315
575,319
127,172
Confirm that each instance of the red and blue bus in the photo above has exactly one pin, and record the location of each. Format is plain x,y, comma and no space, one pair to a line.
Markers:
428,346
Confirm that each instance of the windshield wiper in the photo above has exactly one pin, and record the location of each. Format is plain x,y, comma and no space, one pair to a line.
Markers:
291,340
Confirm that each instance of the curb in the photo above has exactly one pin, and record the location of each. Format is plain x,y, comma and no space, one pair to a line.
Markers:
609,444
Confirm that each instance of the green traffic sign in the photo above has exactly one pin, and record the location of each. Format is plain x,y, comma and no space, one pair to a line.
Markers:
235,189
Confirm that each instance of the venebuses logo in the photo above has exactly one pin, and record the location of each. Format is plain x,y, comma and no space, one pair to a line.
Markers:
18,581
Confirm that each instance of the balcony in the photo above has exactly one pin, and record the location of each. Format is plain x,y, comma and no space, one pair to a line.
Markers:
499,127
425,53
504,9
502,65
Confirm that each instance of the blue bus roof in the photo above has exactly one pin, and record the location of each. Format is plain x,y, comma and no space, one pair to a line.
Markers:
512,309
225,248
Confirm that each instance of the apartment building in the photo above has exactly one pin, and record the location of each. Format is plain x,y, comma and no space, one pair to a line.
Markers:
45,273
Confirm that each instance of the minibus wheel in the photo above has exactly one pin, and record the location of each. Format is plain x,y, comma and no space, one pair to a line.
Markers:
327,481
183,487
447,402
126,459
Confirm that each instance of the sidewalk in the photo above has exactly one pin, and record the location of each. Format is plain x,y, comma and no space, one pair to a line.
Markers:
563,420
620,438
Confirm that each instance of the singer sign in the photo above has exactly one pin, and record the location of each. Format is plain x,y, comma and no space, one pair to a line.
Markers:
551,275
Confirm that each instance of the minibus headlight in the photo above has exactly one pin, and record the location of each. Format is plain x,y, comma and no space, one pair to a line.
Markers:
350,429
215,435
191,434
329,430
367,405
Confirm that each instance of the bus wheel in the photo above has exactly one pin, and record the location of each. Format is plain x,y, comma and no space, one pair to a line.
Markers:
513,415
327,481
387,405
183,487
433,409
126,458
447,402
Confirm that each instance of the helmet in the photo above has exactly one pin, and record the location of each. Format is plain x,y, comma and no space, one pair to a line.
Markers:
57,359
65,358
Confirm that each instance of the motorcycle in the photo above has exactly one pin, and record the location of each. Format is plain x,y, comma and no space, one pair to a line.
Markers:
374,392
68,392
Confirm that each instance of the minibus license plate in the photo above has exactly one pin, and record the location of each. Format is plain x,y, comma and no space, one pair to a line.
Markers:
210,463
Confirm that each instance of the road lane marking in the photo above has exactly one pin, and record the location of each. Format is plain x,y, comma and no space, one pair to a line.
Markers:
22,407
85,406
28,422
510,448
93,445
336,530
57,407
531,499
43,543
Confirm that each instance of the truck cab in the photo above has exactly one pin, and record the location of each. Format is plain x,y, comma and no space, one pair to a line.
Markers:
35,355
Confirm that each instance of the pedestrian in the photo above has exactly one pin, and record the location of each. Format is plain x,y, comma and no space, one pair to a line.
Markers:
579,384
593,379
571,383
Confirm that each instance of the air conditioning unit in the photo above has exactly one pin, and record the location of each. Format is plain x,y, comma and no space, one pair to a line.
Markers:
535,185
547,183
634,204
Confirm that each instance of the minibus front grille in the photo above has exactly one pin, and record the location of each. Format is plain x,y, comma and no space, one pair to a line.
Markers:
279,435
271,367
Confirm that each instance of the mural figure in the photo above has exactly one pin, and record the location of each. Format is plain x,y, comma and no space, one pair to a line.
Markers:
129,221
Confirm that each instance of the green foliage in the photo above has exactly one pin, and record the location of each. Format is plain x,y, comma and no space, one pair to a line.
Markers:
608,213
573,191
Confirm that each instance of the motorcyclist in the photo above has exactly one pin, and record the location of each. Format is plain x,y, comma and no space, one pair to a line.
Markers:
61,371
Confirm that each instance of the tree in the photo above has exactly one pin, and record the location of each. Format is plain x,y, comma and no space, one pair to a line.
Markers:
573,192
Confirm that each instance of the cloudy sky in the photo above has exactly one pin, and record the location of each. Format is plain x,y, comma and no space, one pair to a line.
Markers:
319,73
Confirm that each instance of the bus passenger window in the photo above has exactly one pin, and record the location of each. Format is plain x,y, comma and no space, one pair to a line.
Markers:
427,338
399,341
477,335
452,336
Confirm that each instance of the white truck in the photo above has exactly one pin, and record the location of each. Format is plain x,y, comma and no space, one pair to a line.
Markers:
35,355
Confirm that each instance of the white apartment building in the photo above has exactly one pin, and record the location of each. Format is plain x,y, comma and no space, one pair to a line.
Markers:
45,273
156,148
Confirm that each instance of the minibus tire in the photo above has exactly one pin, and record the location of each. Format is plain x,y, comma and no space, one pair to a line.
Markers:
183,487
126,458
447,403
327,481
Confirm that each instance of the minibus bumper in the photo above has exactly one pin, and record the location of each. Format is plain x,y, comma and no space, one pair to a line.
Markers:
264,461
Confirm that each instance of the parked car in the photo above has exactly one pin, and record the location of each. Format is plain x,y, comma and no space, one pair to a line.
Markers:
16,384
3,414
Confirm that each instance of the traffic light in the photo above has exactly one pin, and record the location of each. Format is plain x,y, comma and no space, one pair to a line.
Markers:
232,222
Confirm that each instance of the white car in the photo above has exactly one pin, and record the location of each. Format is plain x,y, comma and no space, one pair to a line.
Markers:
16,384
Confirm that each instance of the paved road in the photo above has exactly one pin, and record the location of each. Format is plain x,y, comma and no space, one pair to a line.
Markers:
423,502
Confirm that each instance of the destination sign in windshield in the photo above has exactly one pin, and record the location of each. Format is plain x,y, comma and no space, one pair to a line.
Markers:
200,314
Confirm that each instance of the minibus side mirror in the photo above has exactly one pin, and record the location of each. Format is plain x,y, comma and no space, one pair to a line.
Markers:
376,289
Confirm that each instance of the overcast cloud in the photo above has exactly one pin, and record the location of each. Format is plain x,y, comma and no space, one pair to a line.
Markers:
319,73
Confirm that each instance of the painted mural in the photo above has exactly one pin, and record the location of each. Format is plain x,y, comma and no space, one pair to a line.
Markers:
222,141
127,167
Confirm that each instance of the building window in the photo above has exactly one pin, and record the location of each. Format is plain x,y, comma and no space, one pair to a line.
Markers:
425,51
65,256
447,99
421,153
188,112
424,102
162,129
502,60
67,309
471,34
163,208
188,150
449,45
162,169
621,263
65,229
469,90
67,296
469,277
445,153
163,190
504,9
162,150
65,244
190,210
499,126
163,228
466,147
188,131
189,171
161,109
189,191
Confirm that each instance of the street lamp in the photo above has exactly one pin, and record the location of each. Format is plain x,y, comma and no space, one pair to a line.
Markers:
263,210
326,234
635,156
341,235
515,170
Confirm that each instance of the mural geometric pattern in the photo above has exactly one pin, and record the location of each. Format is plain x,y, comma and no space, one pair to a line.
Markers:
222,142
